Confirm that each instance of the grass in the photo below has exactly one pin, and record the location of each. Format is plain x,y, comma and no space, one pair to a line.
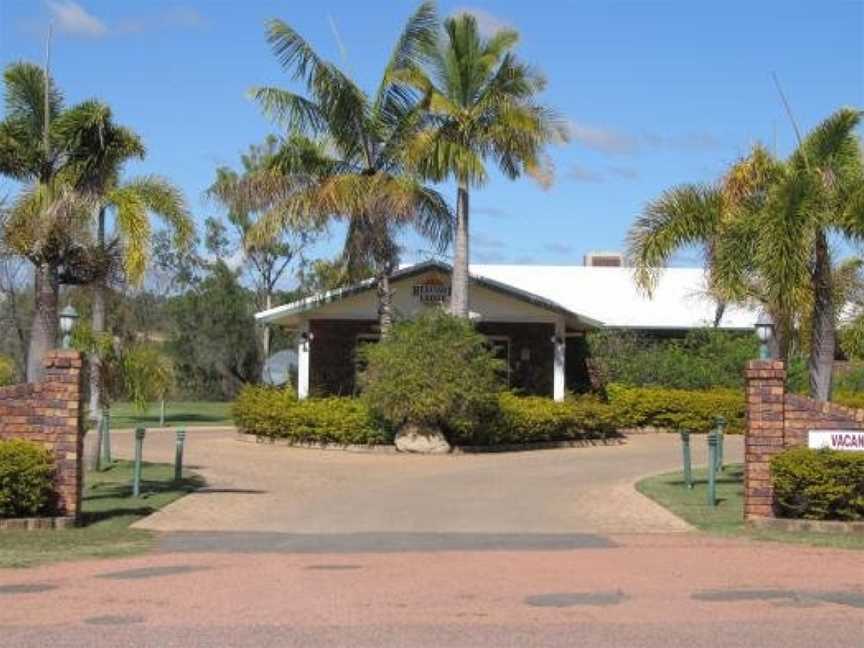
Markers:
727,517
108,509
177,414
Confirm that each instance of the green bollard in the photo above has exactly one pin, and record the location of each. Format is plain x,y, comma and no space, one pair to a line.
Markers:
720,426
136,469
106,437
685,446
712,468
178,455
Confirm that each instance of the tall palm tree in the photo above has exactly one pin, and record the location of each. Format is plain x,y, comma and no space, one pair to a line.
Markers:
36,135
480,103
345,156
769,225
94,167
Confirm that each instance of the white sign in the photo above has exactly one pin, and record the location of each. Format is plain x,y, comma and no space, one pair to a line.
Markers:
432,291
849,440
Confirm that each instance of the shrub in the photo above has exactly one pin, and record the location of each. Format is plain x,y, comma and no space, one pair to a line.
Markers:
279,414
535,419
819,484
676,409
7,371
435,372
26,478
705,358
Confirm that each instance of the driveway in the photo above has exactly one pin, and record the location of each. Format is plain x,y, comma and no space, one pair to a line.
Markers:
266,488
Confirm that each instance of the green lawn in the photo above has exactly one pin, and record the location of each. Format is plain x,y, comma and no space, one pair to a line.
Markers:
177,414
726,518
108,510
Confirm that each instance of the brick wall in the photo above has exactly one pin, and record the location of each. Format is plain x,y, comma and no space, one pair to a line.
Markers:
50,413
777,421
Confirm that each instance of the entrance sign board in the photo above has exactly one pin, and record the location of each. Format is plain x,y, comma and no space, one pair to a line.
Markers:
848,440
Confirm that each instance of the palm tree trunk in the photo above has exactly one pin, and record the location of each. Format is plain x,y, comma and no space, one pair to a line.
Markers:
385,302
822,343
719,311
459,303
43,330
264,337
98,326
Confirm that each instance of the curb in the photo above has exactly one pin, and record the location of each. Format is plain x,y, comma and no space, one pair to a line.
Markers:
37,523
833,527
391,450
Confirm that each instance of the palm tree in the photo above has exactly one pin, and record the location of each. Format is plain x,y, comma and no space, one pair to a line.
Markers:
94,167
36,135
479,102
768,226
345,157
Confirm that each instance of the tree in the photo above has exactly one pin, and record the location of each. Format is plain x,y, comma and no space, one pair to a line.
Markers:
265,261
770,224
344,157
479,103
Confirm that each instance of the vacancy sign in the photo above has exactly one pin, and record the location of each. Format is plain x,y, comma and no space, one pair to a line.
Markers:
849,440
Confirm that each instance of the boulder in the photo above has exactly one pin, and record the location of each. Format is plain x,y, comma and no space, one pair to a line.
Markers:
421,440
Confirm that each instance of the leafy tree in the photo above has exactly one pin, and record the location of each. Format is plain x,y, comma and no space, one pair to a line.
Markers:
148,375
344,157
210,337
479,103
264,261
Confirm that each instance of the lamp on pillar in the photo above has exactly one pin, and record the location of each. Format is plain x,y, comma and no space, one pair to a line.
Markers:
765,333
68,317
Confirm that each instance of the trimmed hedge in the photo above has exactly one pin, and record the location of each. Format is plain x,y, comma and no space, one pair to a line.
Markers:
819,484
676,409
26,478
853,399
279,414
535,419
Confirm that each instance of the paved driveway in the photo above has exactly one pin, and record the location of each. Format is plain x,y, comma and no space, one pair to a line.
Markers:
264,488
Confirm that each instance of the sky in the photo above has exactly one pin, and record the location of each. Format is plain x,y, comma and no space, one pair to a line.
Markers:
656,93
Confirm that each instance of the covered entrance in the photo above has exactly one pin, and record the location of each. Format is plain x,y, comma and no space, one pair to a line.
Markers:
529,332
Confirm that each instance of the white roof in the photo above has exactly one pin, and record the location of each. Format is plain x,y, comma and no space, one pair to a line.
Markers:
610,295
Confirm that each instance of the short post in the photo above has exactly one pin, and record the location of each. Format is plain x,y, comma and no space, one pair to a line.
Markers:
685,446
162,413
136,469
106,437
178,455
720,426
712,468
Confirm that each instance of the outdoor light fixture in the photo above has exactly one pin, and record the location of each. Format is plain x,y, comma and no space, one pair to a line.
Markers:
307,336
556,339
765,333
68,317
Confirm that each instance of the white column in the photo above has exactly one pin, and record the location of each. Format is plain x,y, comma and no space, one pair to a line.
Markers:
560,360
303,362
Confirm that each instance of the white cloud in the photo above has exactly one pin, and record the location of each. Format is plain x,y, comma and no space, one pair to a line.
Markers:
487,23
614,142
71,18
604,140
579,173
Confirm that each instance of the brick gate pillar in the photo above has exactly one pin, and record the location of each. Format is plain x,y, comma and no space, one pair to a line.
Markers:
765,385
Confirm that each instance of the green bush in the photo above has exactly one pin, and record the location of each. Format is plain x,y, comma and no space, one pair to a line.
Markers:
279,414
705,358
535,419
26,478
854,399
7,371
819,484
434,372
676,409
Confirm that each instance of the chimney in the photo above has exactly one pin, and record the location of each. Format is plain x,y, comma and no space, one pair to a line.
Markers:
604,260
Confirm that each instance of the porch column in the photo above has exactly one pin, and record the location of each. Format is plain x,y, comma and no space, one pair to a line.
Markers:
303,361
560,360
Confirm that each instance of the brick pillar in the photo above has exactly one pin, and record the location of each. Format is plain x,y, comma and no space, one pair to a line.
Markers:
765,384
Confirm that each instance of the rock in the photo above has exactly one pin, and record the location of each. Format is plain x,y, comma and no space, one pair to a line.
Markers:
419,440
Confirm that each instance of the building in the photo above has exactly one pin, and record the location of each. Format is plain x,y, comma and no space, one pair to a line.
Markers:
535,318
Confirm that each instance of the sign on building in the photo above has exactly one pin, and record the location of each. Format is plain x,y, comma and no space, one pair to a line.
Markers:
431,290
849,440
